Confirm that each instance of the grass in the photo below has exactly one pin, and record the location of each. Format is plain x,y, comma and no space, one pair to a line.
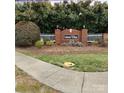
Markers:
26,84
83,62
87,59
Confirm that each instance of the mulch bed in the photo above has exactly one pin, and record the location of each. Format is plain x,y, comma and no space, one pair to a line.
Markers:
49,50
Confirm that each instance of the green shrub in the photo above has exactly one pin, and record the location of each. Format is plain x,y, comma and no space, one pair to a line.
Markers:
73,43
79,44
102,43
45,40
39,44
49,43
95,43
26,33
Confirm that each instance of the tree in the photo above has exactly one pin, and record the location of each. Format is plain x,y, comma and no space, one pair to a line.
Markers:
65,15
101,13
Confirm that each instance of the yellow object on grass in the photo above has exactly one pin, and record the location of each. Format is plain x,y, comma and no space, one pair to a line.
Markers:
68,64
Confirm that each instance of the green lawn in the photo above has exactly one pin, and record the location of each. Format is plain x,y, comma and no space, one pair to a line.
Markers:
83,62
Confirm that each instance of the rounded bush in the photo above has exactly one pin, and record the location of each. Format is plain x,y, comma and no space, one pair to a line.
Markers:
39,44
26,33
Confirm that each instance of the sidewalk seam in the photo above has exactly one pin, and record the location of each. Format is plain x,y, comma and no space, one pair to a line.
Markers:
83,83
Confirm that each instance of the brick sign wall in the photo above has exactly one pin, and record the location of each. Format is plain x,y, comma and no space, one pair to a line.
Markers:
62,36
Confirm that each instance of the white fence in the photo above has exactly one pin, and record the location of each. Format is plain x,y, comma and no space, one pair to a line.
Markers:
91,37
94,37
48,36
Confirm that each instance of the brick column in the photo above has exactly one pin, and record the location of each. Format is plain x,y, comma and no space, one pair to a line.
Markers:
58,36
84,36
105,39
105,36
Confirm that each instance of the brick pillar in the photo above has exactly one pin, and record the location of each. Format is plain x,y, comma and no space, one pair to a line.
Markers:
84,36
58,36
105,39
105,36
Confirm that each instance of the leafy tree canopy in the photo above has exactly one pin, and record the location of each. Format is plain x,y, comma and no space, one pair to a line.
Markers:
74,15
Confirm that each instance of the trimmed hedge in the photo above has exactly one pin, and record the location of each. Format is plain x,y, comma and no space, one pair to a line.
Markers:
26,33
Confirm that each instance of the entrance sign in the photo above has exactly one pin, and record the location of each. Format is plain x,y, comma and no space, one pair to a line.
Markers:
62,36
71,36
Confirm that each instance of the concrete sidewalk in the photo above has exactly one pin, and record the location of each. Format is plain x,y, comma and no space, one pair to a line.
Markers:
66,81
